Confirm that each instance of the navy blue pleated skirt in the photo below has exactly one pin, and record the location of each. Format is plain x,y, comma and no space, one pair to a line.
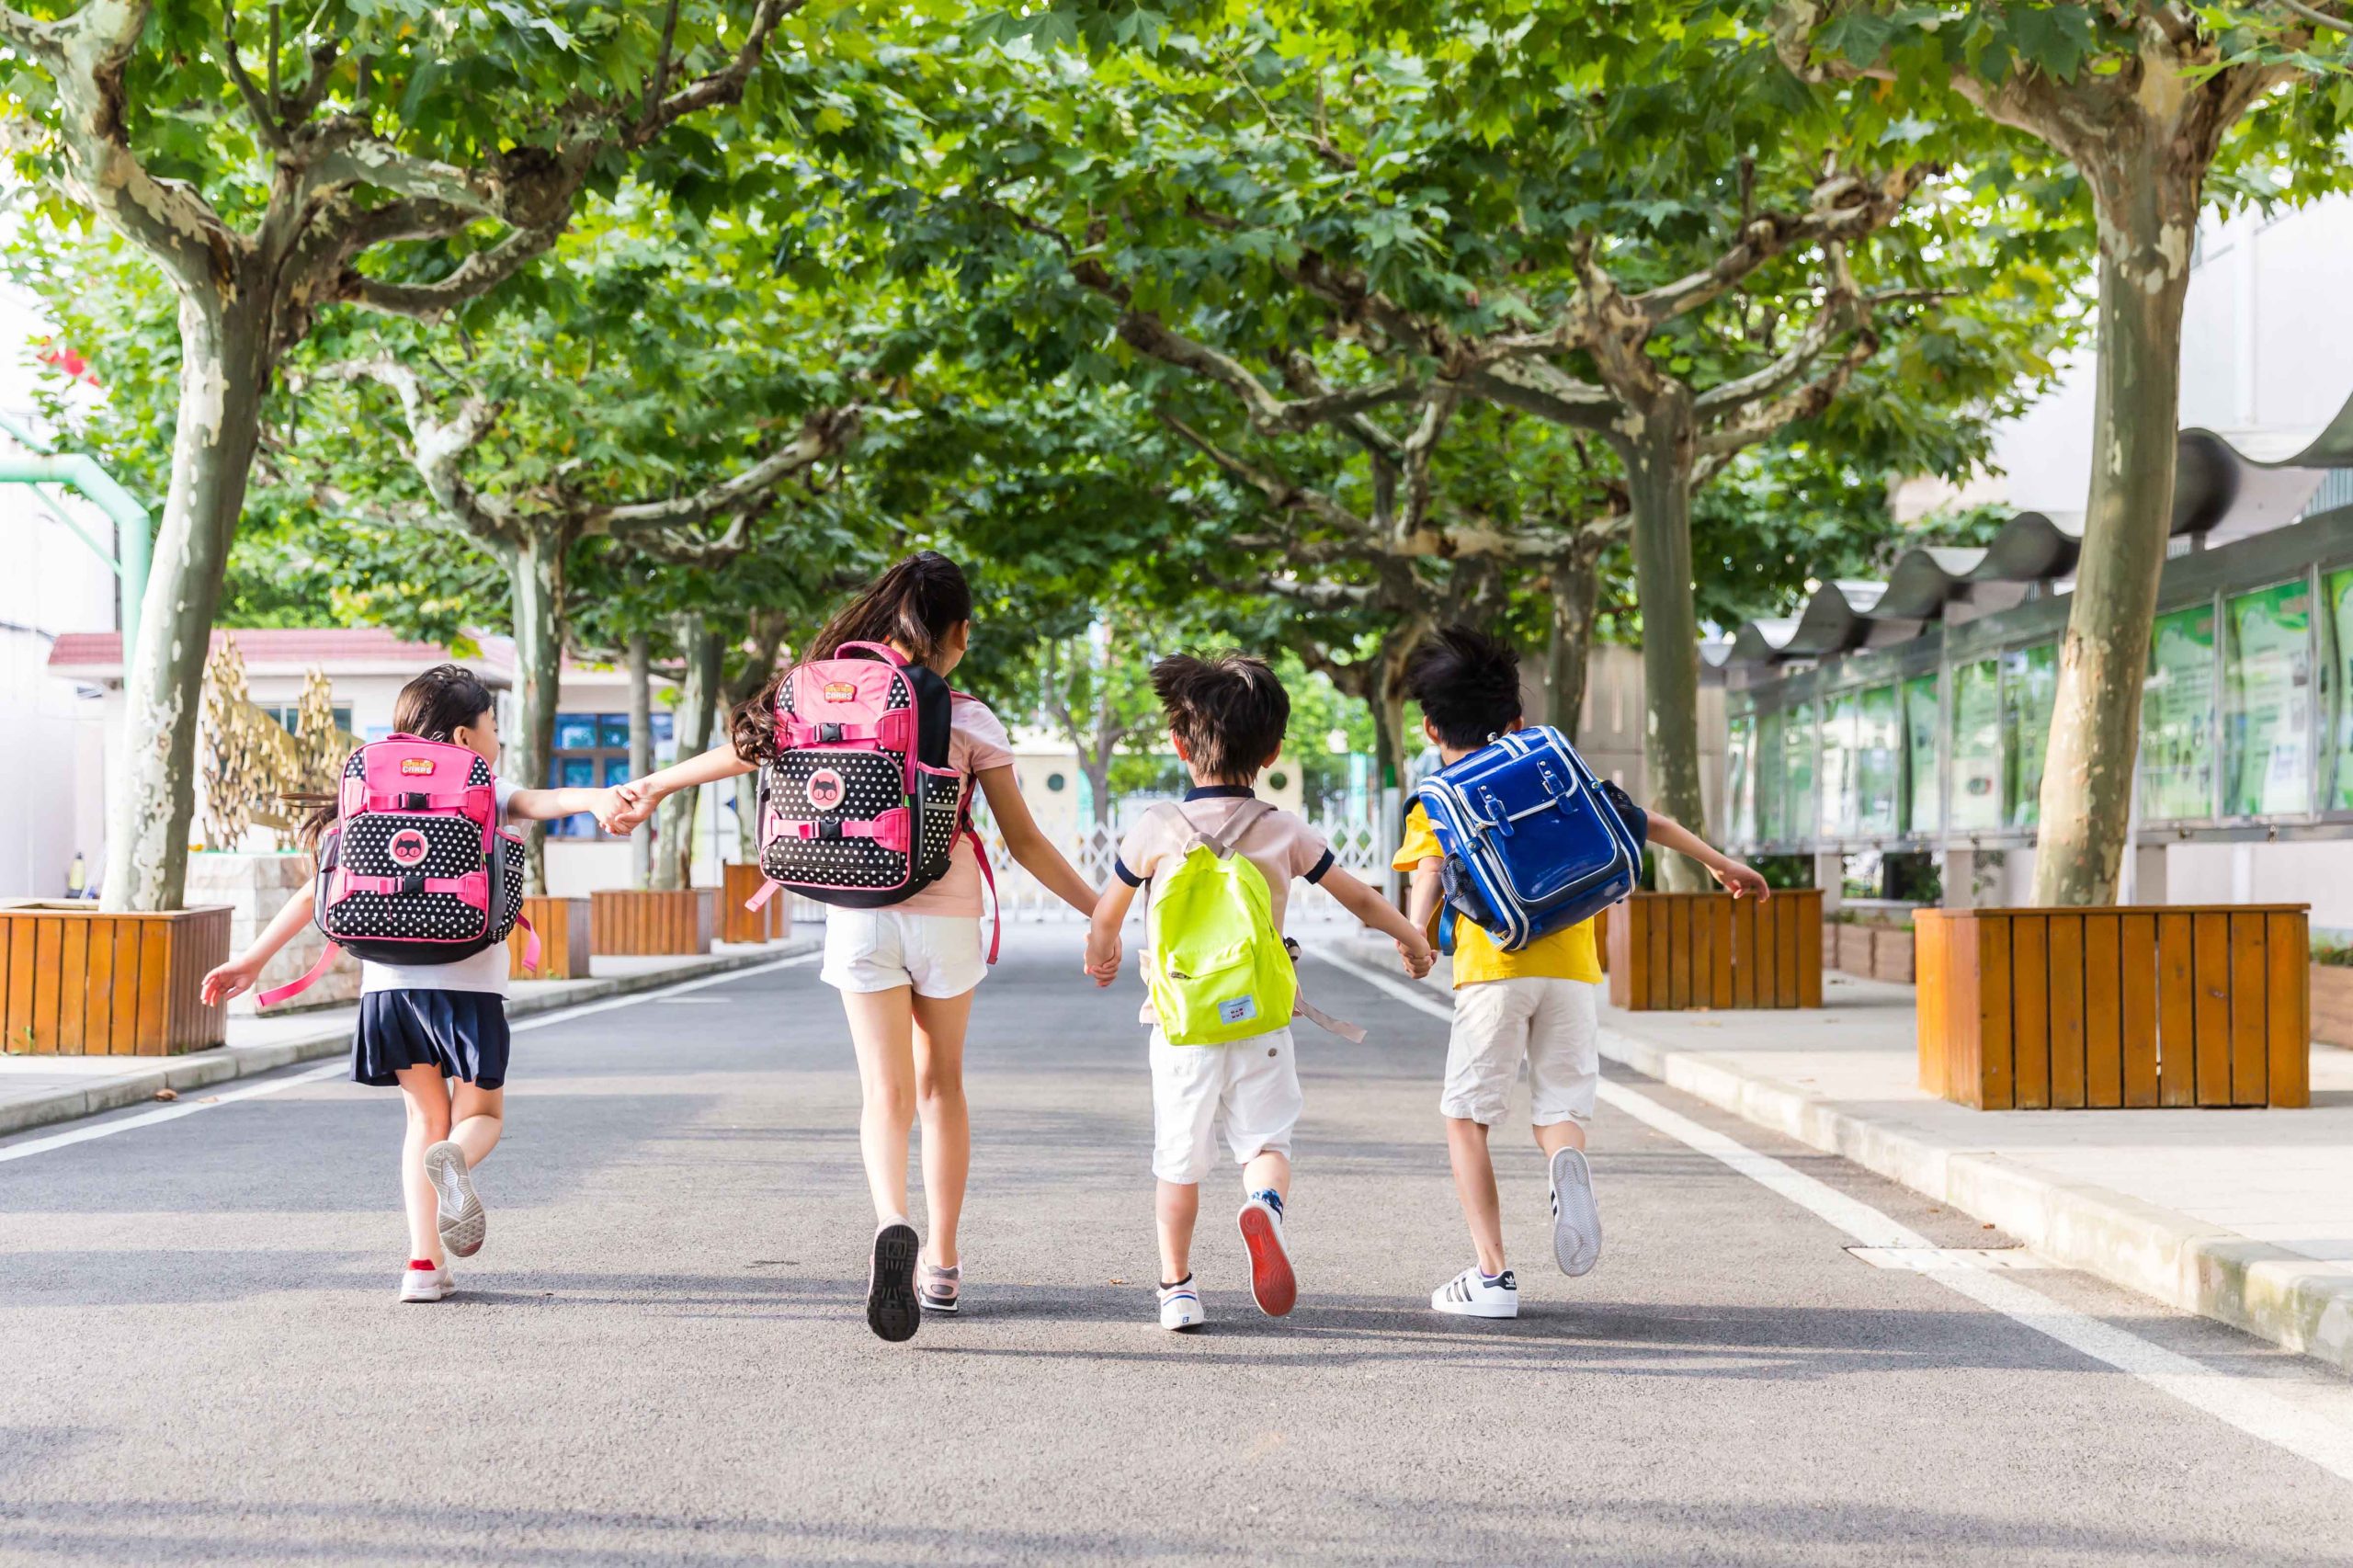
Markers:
462,1032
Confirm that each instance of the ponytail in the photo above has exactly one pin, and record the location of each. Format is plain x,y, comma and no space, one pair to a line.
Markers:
914,604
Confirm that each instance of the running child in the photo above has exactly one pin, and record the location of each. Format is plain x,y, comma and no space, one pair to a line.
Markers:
438,1032
906,971
1226,716
1535,1006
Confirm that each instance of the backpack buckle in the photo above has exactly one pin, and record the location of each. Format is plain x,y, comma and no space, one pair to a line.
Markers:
829,829
415,801
829,735
414,882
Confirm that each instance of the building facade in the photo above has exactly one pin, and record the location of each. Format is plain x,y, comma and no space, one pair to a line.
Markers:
1911,715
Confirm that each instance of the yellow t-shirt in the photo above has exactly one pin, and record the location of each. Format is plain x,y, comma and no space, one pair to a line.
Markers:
1566,954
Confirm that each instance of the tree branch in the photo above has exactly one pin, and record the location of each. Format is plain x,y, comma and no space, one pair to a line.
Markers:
20,32
1763,420
1539,387
260,109
475,277
2318,17
437,447
1844,207
1280,493
721,86
824,435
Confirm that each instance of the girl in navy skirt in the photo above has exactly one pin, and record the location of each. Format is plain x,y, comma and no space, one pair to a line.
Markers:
438,1031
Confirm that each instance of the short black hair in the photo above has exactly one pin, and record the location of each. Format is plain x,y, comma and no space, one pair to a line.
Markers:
1467,684
1228,709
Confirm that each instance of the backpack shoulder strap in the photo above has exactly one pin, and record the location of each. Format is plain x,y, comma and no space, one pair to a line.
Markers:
1245,816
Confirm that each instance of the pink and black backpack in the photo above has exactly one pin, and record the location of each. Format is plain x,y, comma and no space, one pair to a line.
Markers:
859,806
415,869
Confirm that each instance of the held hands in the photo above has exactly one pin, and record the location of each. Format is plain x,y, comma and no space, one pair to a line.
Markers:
1416,956
1739,879
628,805
1103,956
232,979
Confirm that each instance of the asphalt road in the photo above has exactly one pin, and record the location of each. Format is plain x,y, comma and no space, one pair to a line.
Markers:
660,1356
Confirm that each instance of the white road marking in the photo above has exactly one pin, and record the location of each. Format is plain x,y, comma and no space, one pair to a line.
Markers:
1929,1260
189,1106
186,1107
2235,1401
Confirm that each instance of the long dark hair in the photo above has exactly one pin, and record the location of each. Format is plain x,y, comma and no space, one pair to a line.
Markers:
916,603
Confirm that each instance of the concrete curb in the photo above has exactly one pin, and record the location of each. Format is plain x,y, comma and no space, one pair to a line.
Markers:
224,1064
2296,1302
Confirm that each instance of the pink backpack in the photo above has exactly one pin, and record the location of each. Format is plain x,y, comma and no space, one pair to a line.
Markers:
858,807
415,870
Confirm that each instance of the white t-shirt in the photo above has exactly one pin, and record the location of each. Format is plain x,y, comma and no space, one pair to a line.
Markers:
485,971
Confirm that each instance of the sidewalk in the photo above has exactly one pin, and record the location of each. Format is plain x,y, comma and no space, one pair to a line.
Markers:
36,1091
2243,1216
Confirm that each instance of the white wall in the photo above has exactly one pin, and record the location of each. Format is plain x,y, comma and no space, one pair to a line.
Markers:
2267,354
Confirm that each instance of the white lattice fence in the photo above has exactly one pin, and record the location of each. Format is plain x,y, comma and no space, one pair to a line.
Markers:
1357,846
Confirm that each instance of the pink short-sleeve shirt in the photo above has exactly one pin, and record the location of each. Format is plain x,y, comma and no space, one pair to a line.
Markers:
977,743
1280,844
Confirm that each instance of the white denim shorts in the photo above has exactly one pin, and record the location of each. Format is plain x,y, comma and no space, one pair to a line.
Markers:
881,949
1551,1025
1253,1082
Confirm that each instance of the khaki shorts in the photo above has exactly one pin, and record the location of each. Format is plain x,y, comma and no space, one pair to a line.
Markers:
1551,1025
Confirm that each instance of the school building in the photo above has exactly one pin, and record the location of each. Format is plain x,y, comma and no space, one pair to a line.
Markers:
1900,724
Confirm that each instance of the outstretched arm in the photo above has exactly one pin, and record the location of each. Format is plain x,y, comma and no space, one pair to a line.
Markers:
640,796
554,805
1737,876
1035,853
1366,905
243,972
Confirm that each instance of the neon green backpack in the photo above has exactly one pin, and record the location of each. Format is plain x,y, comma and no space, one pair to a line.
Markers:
1218,969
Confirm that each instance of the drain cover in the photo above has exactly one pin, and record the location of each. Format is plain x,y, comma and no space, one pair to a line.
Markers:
1932,1260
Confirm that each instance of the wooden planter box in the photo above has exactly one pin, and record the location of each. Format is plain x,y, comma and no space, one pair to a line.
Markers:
634,921
77,982
2332,1004
1893,956
1867,952
1673,951
771,922
562,925
2145,1006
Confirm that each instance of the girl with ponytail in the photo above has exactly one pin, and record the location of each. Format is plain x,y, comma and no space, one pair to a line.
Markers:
906,971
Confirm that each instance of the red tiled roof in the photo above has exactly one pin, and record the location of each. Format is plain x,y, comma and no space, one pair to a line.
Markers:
95,651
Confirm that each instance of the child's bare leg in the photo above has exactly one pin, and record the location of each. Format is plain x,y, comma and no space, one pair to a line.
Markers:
1267,1168
476,1117
1179,1207
1474,1187
426,1094
882,1025
939,1025
1555,1137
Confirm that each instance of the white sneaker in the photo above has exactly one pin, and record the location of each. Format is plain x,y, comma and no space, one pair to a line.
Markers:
1471,1294
1272,1284
1577,1217
462,1221
1180,1307
427,1284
